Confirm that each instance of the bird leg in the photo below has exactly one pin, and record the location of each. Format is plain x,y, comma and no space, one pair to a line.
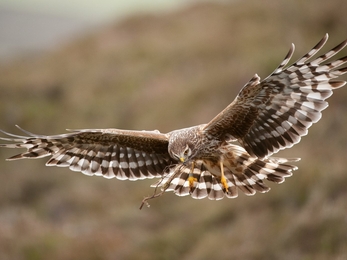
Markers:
191,178
223,180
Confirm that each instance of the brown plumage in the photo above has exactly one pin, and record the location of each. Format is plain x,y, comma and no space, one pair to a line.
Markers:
202,161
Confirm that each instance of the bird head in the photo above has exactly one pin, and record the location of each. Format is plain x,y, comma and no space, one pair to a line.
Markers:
181,151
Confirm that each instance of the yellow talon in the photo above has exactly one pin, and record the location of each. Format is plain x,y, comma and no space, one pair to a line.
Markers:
223,180
191,181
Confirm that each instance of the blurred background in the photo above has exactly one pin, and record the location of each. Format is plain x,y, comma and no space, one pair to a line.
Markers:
161,65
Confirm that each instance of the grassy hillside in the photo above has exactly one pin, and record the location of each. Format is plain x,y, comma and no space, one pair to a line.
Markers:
167,72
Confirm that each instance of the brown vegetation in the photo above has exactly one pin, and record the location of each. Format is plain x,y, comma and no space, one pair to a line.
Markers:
166,72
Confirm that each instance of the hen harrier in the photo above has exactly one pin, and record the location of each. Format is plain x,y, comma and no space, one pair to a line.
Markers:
203,161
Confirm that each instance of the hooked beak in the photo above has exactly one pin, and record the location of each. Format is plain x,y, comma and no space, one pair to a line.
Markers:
181,159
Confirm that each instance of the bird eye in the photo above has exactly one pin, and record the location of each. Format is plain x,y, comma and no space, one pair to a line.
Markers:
186,151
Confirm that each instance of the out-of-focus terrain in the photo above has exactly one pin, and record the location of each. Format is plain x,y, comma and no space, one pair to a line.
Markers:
167,72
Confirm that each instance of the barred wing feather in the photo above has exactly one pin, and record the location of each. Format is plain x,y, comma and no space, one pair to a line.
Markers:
273,114
109,153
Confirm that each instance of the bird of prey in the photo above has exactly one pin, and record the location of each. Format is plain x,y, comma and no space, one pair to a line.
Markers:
204,161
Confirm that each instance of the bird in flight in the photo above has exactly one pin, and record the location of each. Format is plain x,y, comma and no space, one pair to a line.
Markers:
204,161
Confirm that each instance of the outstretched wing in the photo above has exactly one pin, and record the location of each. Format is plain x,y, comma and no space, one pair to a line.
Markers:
109,153
273,114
